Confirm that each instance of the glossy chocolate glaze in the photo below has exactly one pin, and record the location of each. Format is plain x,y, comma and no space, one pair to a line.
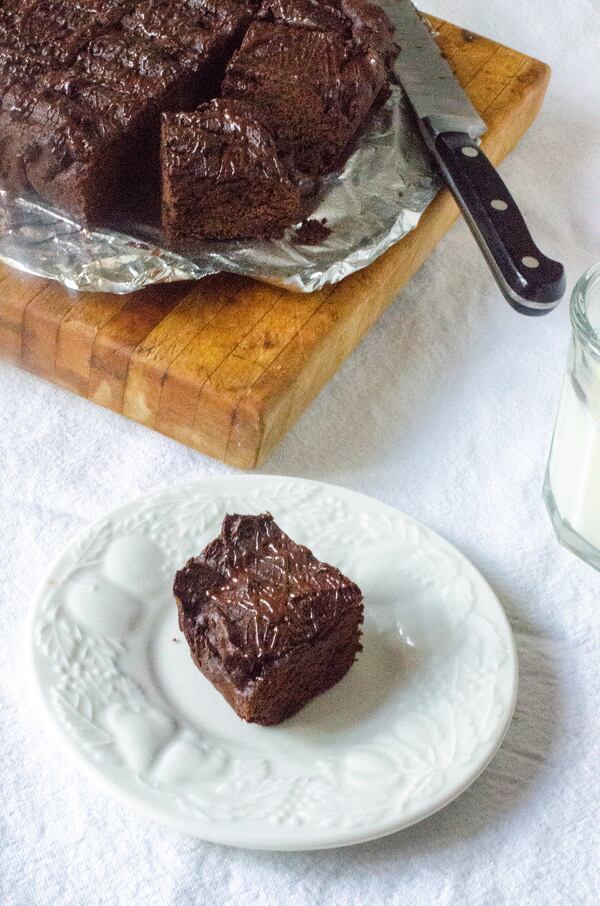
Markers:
310,79
254,594
173,19
193,33
82,85
109,106
54,122
54,31
220,141
362,23
64,121
18,67
117,59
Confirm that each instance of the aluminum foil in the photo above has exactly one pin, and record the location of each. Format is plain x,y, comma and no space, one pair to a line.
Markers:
376,200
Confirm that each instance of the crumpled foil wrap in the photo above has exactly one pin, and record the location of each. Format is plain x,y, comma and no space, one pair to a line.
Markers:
376,200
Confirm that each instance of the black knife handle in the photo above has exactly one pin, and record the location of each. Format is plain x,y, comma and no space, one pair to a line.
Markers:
532,283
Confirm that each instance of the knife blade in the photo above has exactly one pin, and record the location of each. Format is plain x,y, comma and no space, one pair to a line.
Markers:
532,283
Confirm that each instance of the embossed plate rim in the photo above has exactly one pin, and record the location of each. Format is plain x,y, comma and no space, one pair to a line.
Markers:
233,832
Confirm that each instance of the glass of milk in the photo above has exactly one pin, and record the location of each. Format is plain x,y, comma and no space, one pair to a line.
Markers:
572,485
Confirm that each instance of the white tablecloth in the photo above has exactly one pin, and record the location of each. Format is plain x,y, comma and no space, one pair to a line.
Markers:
445,411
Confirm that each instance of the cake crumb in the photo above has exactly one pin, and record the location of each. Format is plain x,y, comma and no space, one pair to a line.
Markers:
312,231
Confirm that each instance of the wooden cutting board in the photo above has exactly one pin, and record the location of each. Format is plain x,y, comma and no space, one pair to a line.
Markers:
227,365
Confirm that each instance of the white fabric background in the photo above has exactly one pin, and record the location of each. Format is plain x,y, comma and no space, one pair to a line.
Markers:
445,411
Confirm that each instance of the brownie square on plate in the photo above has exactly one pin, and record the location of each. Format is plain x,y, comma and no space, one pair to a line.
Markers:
267,623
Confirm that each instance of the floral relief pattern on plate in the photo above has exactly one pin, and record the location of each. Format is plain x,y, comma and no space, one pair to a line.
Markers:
414,722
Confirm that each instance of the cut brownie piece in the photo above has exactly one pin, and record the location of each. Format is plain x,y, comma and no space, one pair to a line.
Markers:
52,145
222,178
83,84
130,82
127,64
84,136
359,21
199,34
54,31
267,623
128,120
311,81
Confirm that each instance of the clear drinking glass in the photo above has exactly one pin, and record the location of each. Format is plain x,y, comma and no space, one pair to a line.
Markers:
572,484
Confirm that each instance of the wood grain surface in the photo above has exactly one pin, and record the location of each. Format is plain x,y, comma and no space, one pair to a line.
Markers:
227,365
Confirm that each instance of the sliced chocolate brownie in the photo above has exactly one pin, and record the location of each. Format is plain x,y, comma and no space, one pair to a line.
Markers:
83,136
221,176
267,623
311,78
83,84
199,34
126,63
360,22
51,145
55,31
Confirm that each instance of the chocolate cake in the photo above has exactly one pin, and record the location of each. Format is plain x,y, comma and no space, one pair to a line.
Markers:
222,177
83,85
361,22
267,623
74,135
54,31
311,77
81,93
200,35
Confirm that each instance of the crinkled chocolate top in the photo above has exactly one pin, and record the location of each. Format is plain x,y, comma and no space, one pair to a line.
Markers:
357,21
220,140
253,594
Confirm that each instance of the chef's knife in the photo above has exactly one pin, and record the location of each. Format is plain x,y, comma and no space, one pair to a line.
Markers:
532,283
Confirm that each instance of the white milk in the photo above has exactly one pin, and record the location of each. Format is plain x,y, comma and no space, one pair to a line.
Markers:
574,467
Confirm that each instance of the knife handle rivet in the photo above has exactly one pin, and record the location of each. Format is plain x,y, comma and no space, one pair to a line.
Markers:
498,204
530,261
469,151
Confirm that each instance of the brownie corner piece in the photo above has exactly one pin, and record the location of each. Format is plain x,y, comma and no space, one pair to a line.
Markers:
222,177
200,35
310,80
268,624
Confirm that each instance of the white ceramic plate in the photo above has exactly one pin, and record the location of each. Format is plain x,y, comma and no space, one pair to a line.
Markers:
411,725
